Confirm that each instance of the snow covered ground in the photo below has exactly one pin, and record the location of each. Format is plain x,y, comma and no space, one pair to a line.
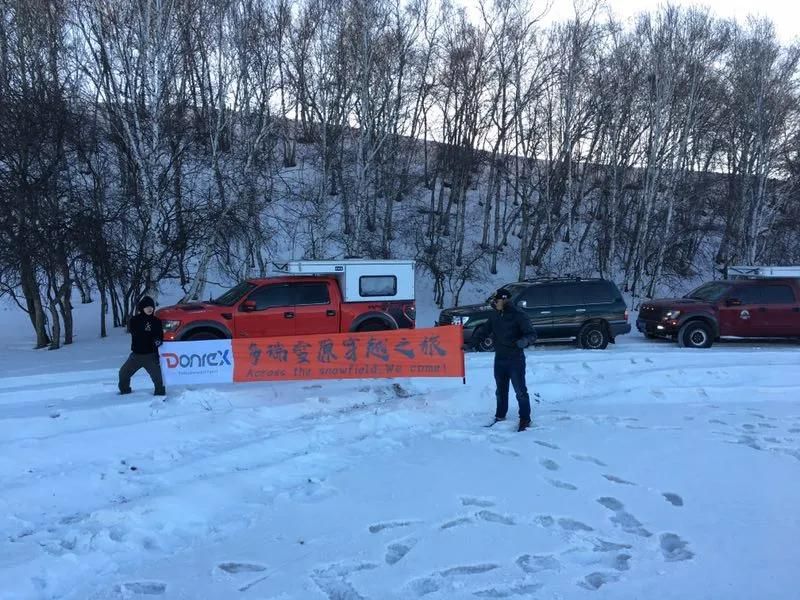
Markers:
652,472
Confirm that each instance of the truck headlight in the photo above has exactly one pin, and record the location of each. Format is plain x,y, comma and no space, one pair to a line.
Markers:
170,325
671,315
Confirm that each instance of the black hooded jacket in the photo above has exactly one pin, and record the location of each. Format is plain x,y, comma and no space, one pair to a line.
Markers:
146,331
511,329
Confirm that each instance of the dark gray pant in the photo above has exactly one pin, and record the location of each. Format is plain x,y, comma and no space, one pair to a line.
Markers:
148,362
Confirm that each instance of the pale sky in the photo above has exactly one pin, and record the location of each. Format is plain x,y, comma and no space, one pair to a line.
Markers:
785,14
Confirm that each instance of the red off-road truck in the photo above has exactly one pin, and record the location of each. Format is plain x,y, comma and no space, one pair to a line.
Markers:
757,302
304,298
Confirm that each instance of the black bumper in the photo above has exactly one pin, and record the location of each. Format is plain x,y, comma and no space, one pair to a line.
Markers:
658,328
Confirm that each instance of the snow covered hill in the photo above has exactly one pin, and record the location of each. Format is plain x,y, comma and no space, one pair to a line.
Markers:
651,472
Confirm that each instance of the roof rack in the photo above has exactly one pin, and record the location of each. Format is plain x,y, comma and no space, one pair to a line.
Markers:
553,278
761,272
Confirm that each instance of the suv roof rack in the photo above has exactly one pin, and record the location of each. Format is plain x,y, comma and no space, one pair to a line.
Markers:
556,278
761,272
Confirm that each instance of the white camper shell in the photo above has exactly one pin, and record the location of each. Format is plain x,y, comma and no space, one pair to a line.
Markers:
755,272
361,280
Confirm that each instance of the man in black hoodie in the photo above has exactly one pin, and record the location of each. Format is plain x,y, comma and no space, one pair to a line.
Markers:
512,332
146,336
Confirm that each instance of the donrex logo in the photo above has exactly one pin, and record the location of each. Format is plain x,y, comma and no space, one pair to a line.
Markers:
212,359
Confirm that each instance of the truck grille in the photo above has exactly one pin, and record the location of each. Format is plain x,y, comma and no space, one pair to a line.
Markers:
650,313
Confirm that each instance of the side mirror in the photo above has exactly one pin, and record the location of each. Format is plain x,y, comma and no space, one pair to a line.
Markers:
248,306
733,302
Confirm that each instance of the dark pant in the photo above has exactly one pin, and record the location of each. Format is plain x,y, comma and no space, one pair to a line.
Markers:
511,369
148,362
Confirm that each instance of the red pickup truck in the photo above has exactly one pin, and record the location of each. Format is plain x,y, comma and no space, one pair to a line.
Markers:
759,302
305,298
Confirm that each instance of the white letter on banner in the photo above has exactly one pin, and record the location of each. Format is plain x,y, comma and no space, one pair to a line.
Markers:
205,361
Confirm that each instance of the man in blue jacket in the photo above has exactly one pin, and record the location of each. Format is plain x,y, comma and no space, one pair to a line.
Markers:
512,332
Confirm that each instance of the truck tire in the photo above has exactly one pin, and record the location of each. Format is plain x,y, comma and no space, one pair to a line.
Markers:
373,325
695,334
594,336
203,334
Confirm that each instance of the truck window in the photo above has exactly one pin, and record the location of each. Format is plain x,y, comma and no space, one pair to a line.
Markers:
306,294
377,285
270,296
233,295
766,294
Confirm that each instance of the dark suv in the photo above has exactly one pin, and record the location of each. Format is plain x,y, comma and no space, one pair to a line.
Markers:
743,308
590,312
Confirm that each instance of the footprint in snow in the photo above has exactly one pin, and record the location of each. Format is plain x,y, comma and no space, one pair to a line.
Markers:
493,517
234,568
532,564
546,444
573,525
591,459
674,548
562,485
144,588
673,499
480,502
520,589
548,464
594,581
456,523
378,527
615,479
397,551
507,452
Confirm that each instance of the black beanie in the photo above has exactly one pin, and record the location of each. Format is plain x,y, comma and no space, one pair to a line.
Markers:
502,294
145,302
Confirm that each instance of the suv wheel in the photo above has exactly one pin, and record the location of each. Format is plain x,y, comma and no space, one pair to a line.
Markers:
487,344
695,334
593,336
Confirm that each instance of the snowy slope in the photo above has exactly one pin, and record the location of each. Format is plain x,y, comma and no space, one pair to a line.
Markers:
652,472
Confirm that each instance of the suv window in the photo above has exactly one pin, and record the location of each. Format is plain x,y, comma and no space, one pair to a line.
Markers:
765,294
536,295
567,294
311,293
269,296
598,292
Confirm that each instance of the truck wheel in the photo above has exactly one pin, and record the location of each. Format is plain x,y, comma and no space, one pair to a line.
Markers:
593,336
372,325
202,335
695,334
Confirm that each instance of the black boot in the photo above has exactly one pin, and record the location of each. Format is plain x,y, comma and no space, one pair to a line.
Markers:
495,422
123,392
160,392
524,424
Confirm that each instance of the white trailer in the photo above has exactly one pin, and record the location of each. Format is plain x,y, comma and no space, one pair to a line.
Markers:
758,272
360,280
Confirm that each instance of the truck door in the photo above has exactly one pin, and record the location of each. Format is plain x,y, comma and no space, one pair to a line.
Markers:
743,313
271,313
782,310
316,310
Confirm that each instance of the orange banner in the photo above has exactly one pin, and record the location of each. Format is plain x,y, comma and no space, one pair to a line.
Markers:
400,353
